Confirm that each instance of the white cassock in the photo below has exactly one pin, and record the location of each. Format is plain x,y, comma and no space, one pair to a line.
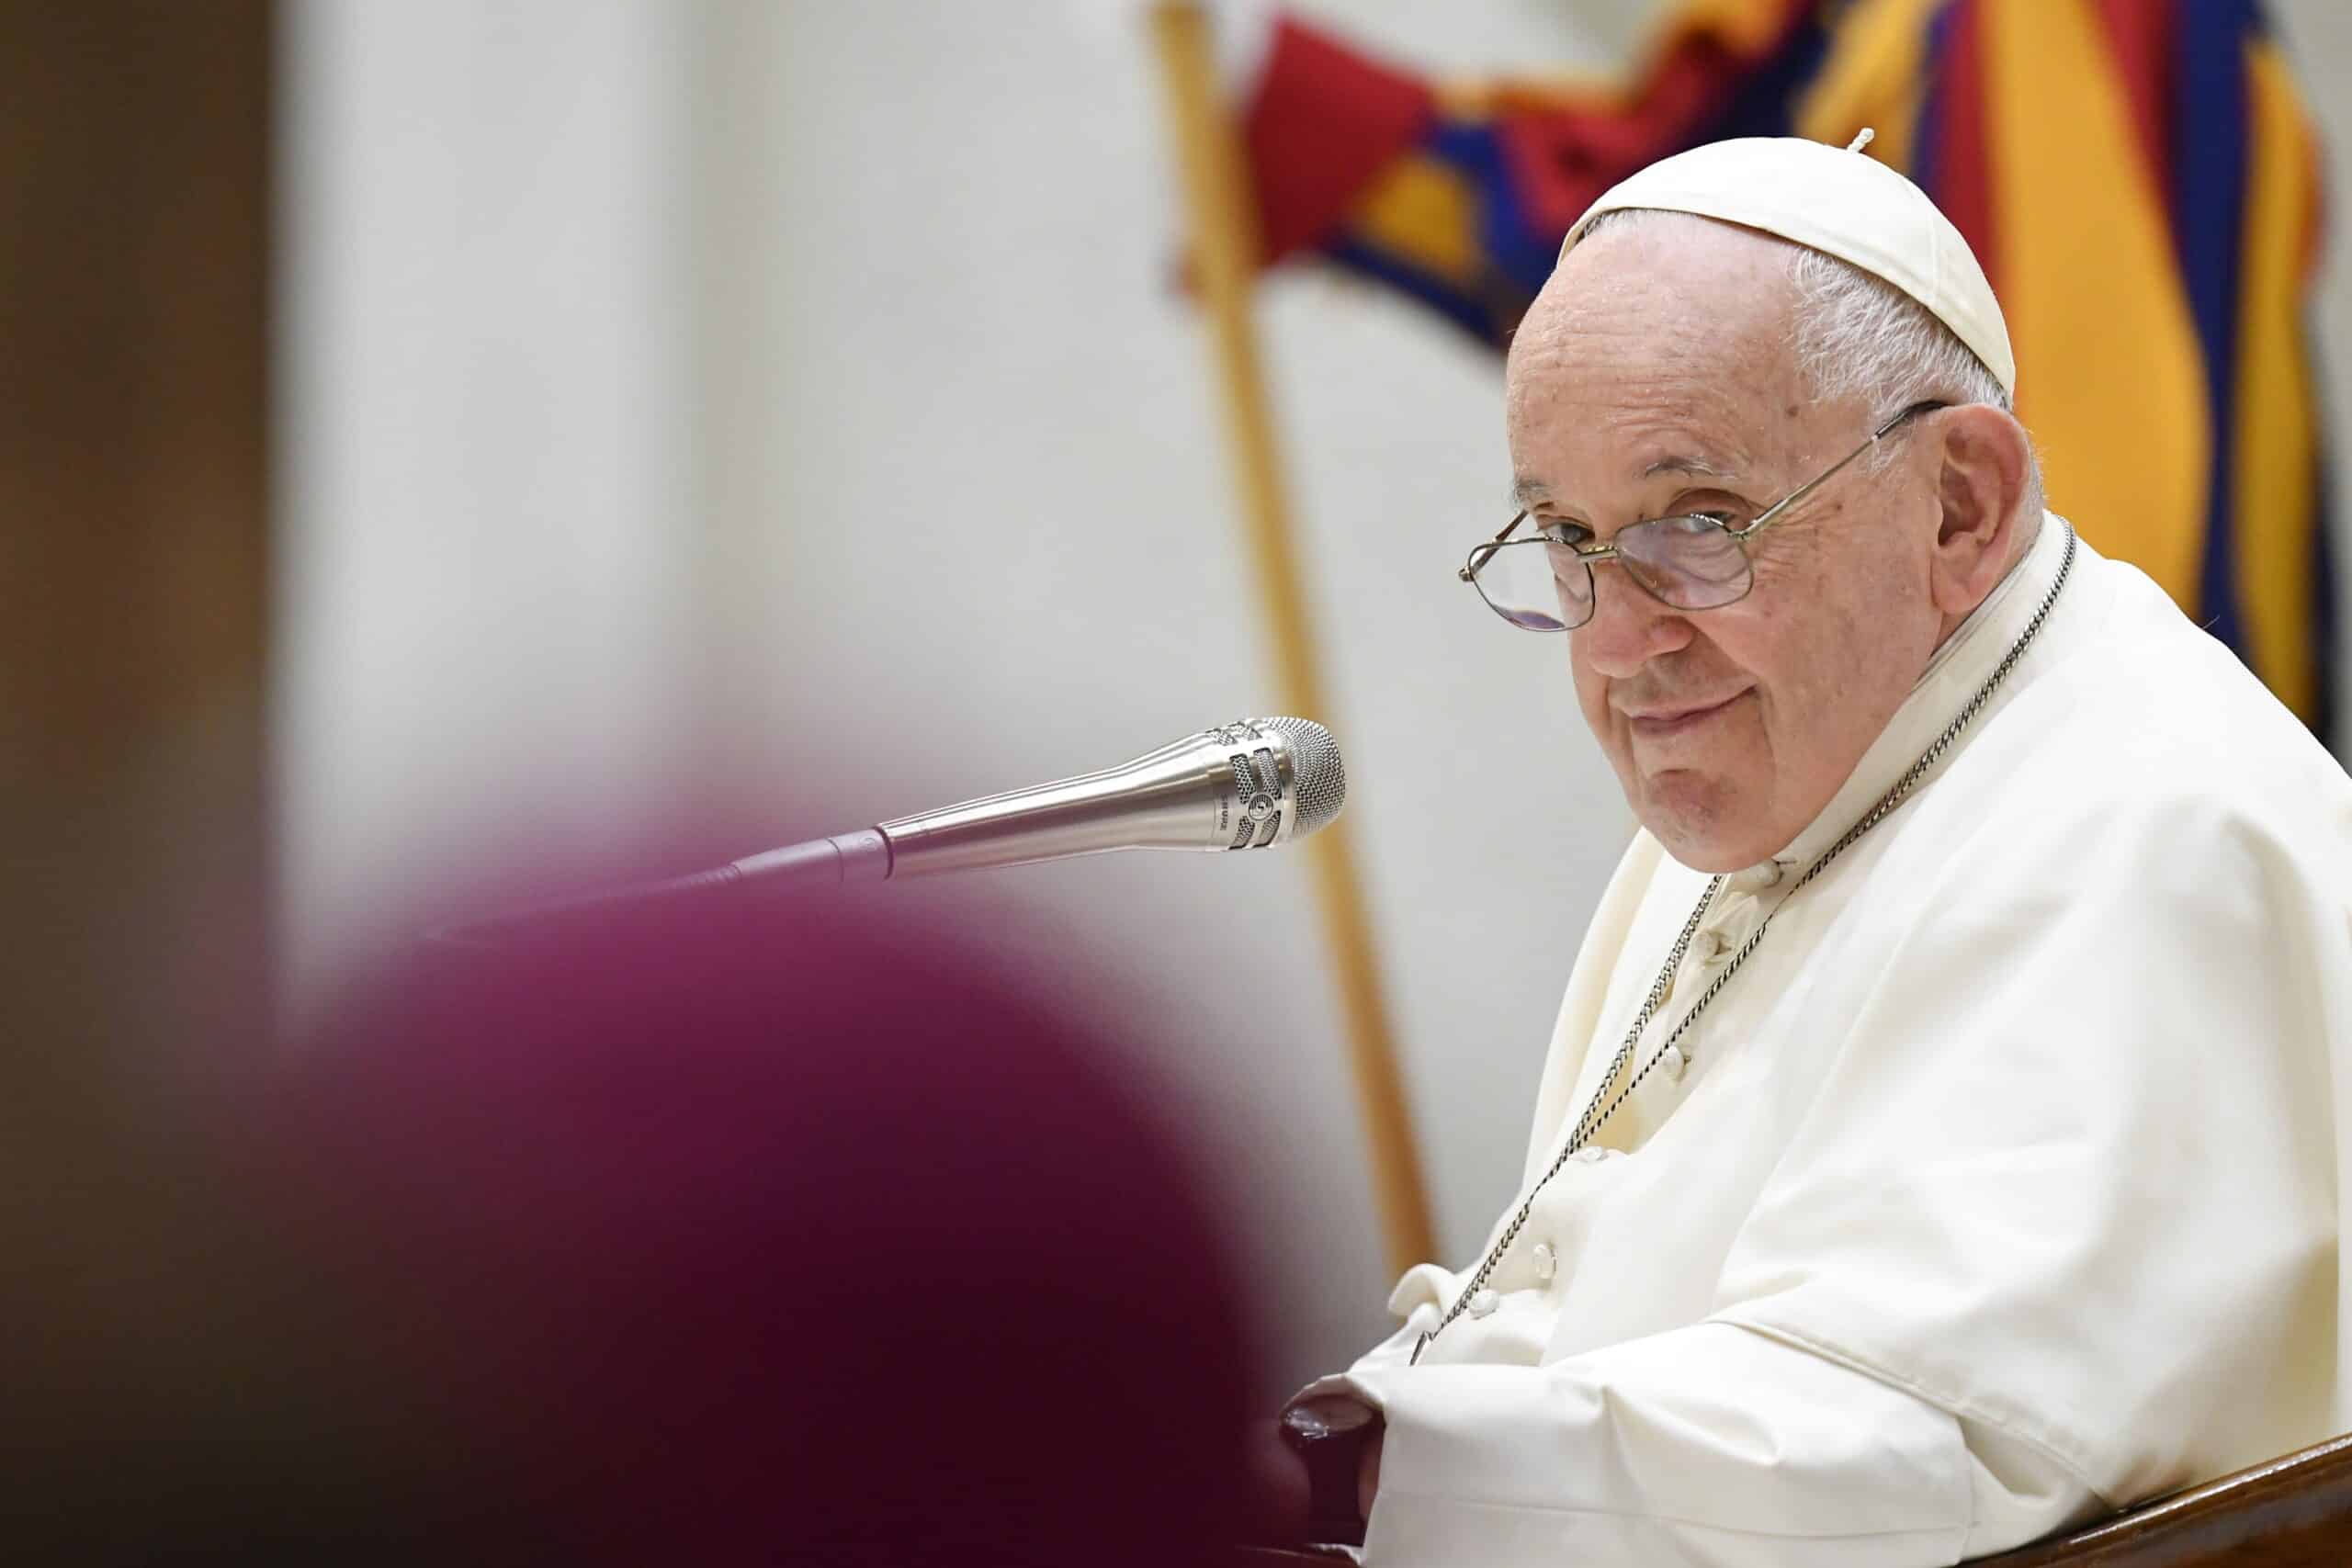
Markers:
1998,1186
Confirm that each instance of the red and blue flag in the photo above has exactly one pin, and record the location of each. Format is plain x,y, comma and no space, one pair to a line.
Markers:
2139,179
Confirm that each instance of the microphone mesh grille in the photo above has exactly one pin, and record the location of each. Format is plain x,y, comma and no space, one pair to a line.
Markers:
1314,765
1245,785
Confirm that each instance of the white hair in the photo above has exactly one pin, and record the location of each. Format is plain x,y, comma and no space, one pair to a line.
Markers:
1859,336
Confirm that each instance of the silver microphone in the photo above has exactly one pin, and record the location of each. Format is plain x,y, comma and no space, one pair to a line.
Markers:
1250,784
1246,786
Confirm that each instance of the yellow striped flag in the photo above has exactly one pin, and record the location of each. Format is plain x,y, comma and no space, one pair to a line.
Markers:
2139,179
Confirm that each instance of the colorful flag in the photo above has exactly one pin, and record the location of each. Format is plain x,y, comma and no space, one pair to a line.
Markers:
2139,179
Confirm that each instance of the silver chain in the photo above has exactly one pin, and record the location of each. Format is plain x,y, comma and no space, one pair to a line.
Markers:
1595,1111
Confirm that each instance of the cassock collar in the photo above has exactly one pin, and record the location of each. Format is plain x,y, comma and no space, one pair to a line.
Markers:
1959,667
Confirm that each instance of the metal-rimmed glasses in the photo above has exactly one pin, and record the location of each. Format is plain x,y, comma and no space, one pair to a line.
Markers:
1699,561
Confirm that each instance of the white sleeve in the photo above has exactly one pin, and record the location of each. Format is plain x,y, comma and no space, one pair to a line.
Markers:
1710,1445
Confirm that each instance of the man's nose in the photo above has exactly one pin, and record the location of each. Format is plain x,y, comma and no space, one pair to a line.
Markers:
1628,628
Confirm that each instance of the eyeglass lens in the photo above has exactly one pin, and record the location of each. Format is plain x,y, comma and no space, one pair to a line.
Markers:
1691,563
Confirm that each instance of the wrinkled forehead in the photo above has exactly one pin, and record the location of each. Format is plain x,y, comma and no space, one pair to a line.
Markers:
1659,343
1684,286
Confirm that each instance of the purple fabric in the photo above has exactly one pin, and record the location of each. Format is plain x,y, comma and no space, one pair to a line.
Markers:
727,1237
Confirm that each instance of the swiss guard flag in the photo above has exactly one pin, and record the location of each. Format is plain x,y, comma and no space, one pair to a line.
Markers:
2139,179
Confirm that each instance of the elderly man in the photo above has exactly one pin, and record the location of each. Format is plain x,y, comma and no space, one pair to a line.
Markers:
1939,1141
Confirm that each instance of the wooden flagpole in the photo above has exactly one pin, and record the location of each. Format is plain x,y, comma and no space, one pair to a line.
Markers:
1225,259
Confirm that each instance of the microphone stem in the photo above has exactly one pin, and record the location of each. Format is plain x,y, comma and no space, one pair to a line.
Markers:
863,856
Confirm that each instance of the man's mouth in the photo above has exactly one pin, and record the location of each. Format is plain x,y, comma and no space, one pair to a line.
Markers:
1671,719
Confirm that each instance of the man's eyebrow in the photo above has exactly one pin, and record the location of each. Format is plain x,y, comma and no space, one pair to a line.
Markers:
1679,463
1529,492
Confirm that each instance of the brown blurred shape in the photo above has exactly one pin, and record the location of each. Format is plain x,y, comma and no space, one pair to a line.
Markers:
134,199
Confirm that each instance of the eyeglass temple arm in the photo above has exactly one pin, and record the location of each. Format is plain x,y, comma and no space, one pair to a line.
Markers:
1786,502
1509,529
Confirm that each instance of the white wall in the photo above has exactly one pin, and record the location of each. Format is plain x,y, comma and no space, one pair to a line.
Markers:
807,377
486,535
971,502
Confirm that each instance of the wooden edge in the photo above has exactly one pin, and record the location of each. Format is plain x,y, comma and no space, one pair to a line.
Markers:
2277,1500
2291,1512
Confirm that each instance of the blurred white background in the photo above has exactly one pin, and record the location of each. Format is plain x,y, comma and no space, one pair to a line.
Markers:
788,403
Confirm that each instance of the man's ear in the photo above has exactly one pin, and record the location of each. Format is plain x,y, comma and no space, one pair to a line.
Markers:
1980,489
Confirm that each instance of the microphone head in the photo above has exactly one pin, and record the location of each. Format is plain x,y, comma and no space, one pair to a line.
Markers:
1320,779
1246,786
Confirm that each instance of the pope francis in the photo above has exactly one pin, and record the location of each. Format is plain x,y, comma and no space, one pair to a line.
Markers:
1940,1141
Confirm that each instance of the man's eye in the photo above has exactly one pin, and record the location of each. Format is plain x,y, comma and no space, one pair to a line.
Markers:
1567,534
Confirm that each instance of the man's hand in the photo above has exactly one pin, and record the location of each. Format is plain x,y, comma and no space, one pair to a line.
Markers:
1313,1473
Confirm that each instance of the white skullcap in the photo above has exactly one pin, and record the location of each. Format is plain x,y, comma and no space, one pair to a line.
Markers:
1839,202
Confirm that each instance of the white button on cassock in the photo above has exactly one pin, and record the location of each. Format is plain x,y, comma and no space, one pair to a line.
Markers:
1484,1303
1547,1262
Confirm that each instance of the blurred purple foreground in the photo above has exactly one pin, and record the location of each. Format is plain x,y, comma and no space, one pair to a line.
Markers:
706,1237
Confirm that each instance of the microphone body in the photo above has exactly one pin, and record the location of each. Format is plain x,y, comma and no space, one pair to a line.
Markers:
1246,786
1250,784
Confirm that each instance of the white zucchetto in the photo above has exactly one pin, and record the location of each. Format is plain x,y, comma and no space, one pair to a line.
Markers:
1841,203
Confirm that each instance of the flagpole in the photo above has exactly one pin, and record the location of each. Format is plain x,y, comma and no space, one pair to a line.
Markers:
1223,251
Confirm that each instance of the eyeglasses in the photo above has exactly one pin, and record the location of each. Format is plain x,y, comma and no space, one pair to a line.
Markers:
1544,583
